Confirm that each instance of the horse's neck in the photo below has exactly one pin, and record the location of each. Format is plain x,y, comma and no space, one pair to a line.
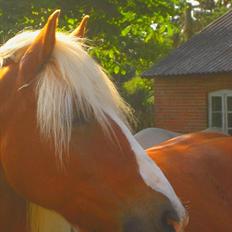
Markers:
12,208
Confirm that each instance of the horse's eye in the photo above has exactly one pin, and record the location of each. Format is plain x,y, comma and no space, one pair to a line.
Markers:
6,61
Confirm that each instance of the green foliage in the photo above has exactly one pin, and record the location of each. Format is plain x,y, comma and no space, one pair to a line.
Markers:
203,13
125,41
204,17
139,94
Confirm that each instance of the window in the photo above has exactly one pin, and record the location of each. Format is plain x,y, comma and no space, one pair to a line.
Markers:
220,110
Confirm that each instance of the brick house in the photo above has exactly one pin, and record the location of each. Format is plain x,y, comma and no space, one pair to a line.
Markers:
193,85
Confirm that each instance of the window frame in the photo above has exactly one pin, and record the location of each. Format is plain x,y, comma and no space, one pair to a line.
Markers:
224,93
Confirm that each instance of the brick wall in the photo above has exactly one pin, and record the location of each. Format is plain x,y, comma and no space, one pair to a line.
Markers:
181,103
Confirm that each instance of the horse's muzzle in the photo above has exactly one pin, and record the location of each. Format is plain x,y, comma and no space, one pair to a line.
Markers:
167,222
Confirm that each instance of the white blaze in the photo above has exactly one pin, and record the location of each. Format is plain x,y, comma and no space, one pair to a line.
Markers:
150,172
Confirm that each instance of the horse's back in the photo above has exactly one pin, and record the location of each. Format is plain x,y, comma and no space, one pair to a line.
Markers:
152,136
199,166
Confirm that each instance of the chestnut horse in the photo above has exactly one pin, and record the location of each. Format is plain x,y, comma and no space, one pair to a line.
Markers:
199,167
65,144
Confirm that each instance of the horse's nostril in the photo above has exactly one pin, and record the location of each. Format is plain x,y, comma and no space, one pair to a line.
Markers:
133,224
170,221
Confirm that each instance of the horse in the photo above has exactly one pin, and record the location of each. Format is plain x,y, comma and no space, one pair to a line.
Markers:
199,167
13,209
65,145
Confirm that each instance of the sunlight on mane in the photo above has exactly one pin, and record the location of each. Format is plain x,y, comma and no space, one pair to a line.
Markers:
71,83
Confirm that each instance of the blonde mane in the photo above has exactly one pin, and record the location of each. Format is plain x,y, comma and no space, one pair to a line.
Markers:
71,83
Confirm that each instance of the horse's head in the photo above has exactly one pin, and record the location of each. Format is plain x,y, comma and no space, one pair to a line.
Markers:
51,88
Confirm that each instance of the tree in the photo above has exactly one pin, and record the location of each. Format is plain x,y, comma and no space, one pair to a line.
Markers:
128,35
200,15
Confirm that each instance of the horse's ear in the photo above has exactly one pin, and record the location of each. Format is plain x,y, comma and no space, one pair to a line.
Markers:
41,48
81,28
